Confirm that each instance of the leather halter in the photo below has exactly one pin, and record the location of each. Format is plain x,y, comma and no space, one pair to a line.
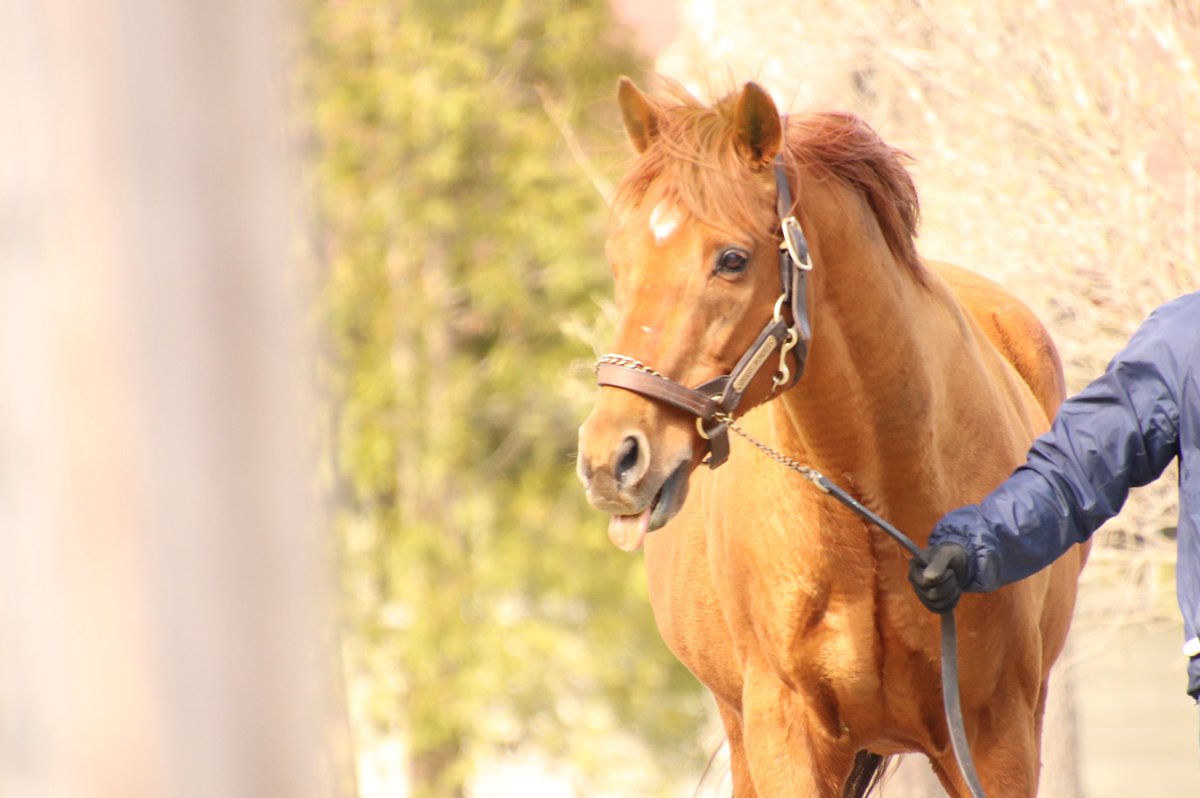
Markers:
714,402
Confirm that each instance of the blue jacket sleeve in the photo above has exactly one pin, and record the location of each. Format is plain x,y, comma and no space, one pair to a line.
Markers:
1120,432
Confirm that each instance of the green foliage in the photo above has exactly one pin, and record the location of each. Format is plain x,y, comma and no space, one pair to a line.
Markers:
457,239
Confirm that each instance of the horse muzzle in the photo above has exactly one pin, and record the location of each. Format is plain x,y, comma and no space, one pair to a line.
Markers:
625,478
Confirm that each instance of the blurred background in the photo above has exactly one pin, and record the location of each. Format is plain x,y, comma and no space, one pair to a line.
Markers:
298,303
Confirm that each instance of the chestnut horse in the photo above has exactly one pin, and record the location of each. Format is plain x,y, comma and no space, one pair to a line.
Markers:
923,388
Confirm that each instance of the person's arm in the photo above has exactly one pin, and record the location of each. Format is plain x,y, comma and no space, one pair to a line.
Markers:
1119,432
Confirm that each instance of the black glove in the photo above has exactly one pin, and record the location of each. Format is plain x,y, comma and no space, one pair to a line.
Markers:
939,581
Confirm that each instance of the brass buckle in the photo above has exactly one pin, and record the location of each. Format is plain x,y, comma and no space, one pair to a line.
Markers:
792,236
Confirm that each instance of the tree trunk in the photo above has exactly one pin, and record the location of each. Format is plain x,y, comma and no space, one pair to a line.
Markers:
158,554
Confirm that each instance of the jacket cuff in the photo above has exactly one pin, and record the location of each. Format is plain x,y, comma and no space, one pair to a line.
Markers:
955,528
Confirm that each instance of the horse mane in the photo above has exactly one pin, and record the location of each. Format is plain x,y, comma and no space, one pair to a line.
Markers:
695,155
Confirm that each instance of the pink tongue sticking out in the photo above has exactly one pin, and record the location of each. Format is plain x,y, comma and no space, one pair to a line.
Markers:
627,531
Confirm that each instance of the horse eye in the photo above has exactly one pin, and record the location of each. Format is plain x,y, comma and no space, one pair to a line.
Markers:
732,261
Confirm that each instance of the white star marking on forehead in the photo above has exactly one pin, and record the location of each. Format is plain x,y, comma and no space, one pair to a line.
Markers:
663,220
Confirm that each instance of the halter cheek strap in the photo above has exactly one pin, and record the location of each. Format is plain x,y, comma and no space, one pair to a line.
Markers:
714,402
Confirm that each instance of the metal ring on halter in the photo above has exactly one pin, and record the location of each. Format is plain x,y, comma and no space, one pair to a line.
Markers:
716,397
778,312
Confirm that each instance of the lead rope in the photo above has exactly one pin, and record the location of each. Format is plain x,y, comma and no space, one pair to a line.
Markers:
951,697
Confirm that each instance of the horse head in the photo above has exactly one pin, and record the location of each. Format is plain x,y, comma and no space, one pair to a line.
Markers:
694,249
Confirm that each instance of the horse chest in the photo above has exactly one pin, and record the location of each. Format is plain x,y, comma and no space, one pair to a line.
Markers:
720,603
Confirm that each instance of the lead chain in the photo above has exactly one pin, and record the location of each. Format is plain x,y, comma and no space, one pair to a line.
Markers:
811,474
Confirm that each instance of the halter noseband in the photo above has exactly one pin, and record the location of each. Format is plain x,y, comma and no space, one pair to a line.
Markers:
714,402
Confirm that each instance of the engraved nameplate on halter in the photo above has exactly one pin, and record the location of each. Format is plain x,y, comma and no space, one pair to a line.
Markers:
764,351
793,239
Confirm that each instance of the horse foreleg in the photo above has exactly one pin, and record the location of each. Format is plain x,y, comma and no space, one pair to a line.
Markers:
1005,746
794,745
731,719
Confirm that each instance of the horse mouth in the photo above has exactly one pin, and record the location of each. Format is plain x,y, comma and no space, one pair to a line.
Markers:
628,531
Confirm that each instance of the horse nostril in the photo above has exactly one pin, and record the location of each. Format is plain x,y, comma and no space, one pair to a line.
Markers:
628,457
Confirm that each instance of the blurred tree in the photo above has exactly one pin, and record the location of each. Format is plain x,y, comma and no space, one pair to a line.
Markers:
456,240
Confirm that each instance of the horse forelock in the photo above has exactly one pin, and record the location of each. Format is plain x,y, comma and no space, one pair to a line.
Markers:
693,163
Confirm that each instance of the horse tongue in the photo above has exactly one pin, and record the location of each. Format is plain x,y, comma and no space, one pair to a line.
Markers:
627,531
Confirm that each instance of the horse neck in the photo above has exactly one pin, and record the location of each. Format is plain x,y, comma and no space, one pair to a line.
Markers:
863,408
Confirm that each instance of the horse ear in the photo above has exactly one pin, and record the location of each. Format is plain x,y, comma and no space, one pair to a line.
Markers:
756,121
641,115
